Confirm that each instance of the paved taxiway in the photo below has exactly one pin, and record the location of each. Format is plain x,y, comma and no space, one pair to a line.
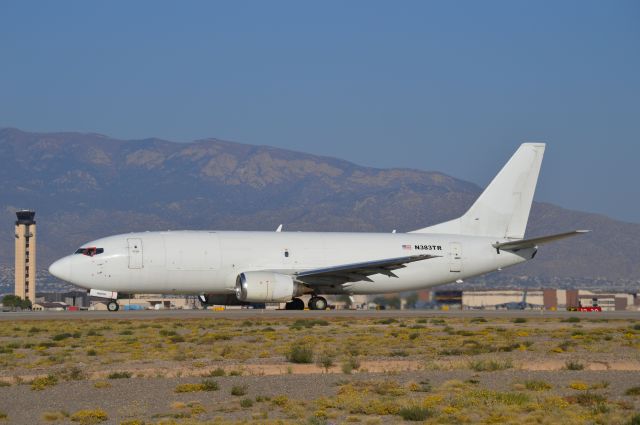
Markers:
250,313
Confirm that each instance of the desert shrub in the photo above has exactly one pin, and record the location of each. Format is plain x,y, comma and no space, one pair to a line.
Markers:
578,385
73,373
519,320
89,416
92,352
280,400
102,384
41,383
632,391
120,375
590,399
166,332
246,403
573,365
325,361
5,384
216,372
571,319
239,390
350,364
490,365
60,337
209,385
388,321
635,420
308,323
414,413
422,387
206,385
54,416
478,320
534,385
300,353
3,415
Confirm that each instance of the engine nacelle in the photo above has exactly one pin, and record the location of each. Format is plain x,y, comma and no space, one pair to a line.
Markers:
266,287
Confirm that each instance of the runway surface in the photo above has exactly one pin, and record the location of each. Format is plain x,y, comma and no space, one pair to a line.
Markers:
327,314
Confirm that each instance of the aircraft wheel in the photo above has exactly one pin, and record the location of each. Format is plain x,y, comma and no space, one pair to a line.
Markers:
295,304
318,303
113,306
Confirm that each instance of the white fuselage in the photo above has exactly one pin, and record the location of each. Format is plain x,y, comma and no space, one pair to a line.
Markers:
208,262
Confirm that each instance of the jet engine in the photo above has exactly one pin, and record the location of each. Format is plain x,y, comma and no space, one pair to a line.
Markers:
266,287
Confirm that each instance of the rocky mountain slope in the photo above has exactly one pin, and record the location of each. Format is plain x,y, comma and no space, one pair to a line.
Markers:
84,186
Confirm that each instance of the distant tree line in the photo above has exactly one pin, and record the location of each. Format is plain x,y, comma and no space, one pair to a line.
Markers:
14,301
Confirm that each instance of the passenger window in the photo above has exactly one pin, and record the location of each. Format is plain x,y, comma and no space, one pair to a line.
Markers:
286,253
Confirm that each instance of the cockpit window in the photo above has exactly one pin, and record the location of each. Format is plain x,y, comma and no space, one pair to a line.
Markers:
91,251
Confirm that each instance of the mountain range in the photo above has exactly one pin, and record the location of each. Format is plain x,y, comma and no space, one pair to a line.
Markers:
84,186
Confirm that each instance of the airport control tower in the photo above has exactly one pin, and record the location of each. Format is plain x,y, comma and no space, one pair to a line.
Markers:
26,255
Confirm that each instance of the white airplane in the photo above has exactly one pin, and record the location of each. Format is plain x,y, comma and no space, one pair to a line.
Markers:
260,267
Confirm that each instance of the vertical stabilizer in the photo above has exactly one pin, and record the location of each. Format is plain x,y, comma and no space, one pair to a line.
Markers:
502,210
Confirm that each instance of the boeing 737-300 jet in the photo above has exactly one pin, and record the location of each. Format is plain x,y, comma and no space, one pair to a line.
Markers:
227,268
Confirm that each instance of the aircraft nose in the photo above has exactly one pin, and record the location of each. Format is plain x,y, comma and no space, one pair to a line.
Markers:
61,269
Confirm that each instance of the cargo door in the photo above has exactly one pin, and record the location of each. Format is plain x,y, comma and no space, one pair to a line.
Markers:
455,257
135,253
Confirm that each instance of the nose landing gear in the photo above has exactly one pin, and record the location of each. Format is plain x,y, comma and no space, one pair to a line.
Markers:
113,305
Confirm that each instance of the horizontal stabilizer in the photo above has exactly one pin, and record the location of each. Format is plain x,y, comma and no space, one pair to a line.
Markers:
531,243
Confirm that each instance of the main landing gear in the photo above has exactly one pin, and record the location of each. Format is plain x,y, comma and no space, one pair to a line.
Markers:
318,303
315,303
113,305
294,304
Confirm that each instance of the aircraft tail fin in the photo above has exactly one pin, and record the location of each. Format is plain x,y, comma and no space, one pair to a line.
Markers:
502,210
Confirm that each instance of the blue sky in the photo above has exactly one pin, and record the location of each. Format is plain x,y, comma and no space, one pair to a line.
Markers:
452,86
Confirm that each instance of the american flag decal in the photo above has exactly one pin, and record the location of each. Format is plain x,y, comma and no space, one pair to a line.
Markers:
406,247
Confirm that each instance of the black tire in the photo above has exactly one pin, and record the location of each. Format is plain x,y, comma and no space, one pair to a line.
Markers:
318,303
113,306
295,304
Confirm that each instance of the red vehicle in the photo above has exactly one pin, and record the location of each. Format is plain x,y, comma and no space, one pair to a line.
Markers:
581,307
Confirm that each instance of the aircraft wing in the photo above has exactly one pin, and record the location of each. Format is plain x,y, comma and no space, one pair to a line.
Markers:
355,272
531,243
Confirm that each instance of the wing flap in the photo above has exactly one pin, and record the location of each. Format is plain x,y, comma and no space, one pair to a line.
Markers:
533,242
355,272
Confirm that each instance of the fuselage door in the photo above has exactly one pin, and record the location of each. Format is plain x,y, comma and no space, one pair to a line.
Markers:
455,257
135,253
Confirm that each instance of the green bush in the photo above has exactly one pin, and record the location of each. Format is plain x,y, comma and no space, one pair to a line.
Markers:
215,372
490,365
533,385
246,403
519,320
571,319
635,420
60,337
120,375
573,365
239,390
633,391
299,353
325,361
41,383
414,413
89,417
206,385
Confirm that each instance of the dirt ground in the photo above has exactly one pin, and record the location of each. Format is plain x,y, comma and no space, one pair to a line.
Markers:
315,371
